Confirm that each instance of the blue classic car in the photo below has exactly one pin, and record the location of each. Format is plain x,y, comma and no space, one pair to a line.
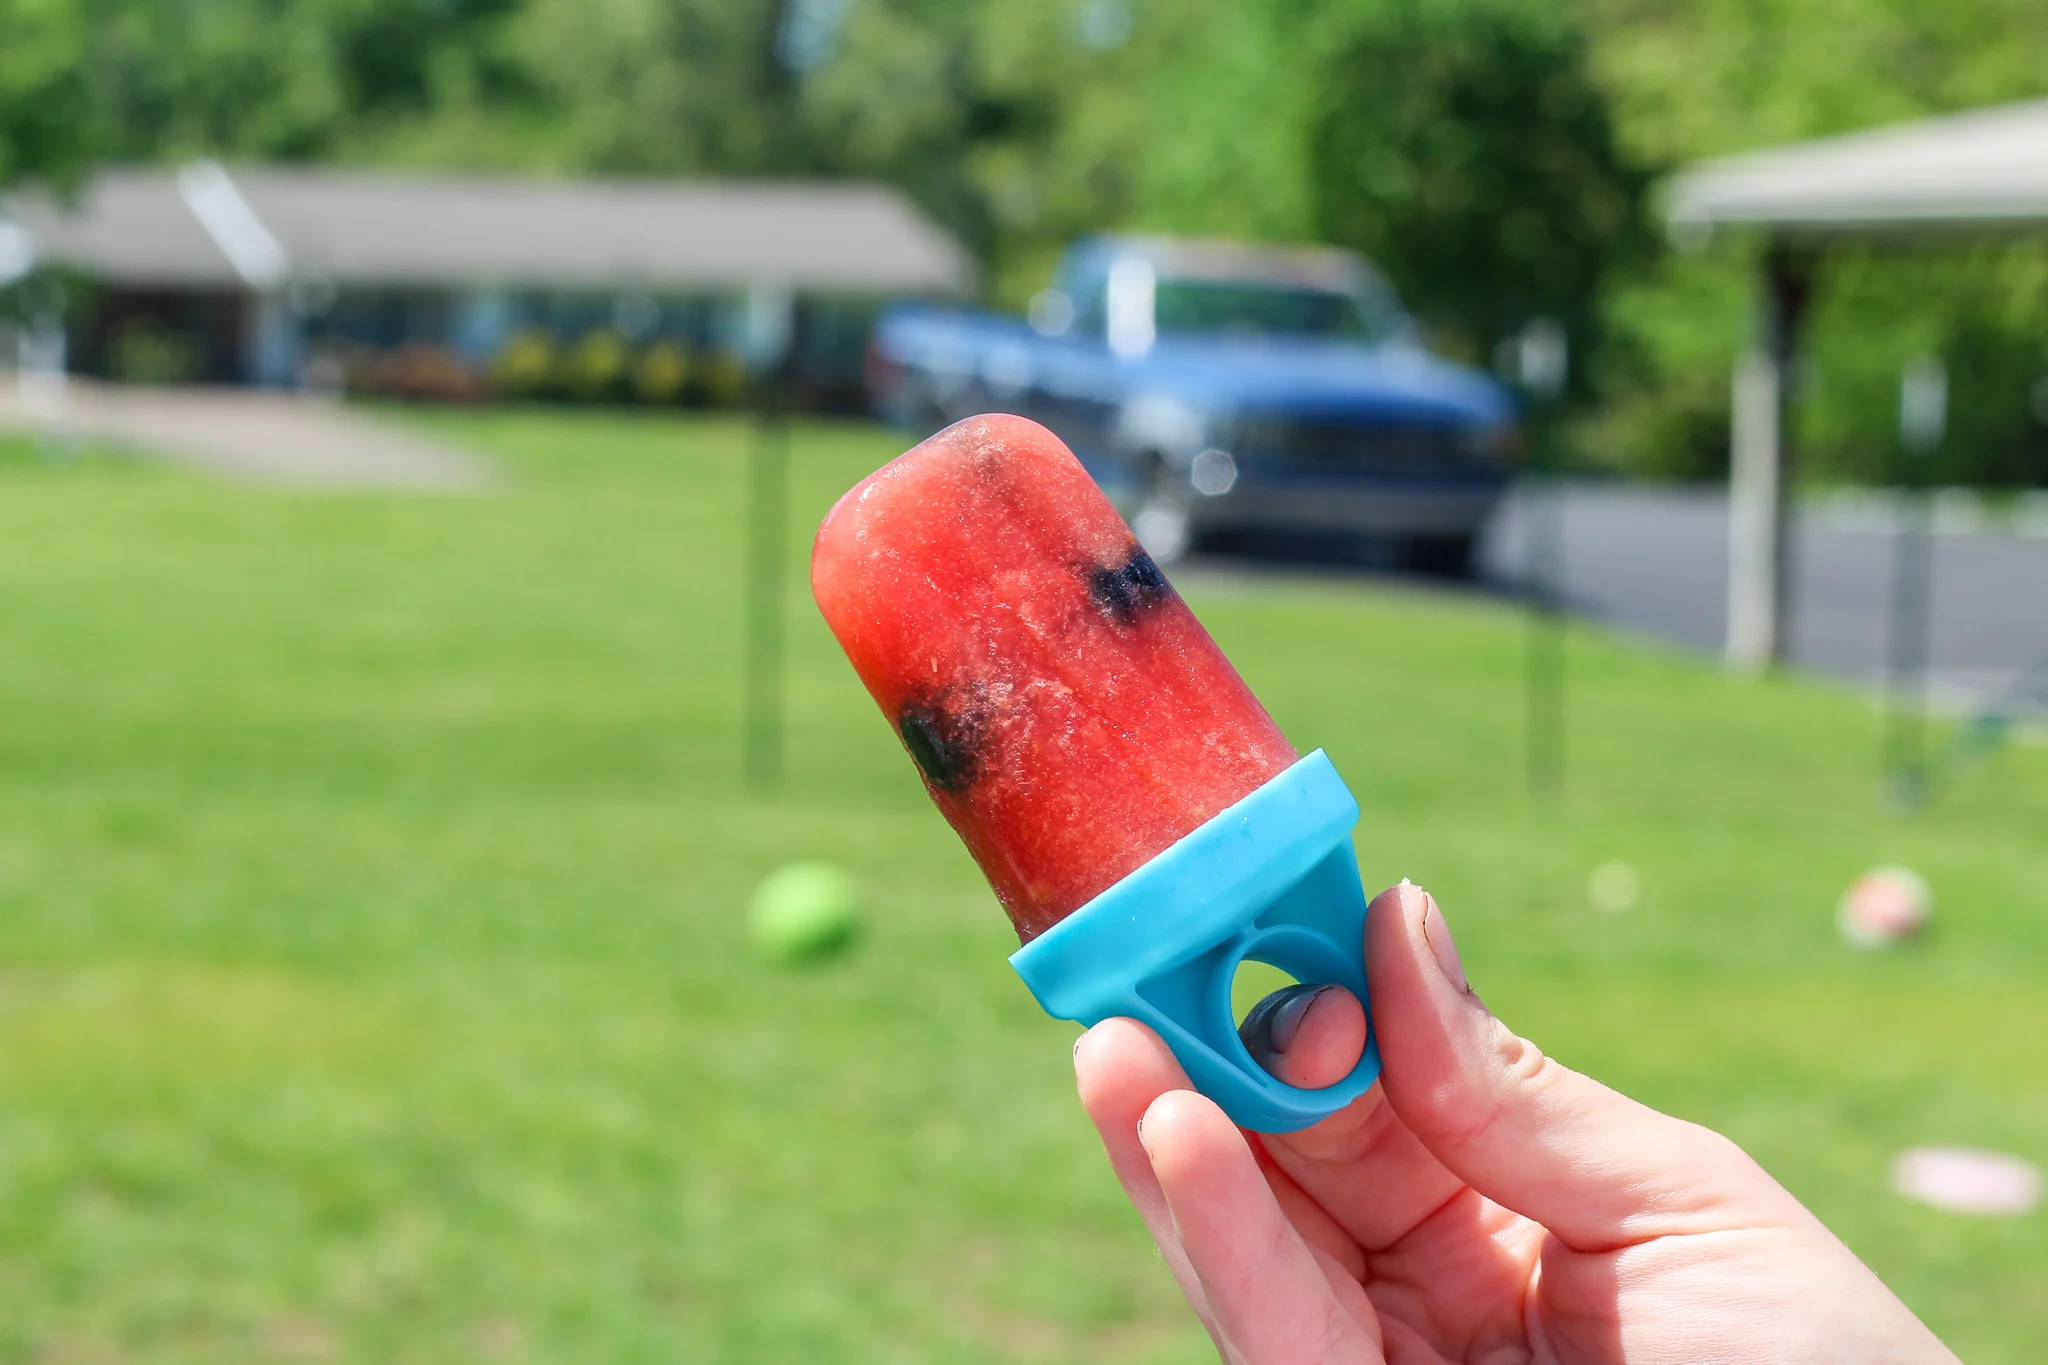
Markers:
1227,393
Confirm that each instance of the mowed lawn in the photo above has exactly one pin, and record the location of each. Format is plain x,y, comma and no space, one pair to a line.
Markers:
374,984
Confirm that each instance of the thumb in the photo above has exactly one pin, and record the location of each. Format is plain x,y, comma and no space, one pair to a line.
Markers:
1594,1167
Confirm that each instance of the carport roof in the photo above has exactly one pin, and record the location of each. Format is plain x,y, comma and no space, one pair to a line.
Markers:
149,228
1985,168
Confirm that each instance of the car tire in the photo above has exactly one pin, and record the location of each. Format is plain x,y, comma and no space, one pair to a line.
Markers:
1440,556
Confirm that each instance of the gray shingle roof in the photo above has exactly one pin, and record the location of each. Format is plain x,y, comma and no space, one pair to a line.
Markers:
133,226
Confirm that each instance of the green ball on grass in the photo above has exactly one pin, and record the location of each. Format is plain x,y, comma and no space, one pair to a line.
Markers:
804,911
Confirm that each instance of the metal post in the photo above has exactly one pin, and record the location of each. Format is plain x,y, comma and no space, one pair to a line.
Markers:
1906,689
1790,278
770,333
1546,654
1541,361
1923,419
768,515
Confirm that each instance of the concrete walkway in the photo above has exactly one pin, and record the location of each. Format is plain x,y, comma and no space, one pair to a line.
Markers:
243,433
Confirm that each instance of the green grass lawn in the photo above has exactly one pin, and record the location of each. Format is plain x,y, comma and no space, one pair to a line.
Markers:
374,987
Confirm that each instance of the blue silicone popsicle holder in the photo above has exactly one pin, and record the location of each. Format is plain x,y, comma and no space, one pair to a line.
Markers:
1273,879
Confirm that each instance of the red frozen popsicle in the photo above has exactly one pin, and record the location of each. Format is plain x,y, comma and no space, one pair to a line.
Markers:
1069,715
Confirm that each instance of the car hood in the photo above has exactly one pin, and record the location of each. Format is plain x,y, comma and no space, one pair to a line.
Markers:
1395,381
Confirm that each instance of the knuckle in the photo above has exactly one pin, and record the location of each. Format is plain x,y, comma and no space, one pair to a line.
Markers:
1521,1072
1525,1064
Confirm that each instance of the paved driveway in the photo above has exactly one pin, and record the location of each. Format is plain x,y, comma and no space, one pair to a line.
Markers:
246,433
1655,560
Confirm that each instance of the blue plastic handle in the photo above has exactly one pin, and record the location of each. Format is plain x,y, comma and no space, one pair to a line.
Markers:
1272,879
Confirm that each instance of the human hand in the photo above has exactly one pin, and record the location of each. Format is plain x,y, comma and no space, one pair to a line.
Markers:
1482,1204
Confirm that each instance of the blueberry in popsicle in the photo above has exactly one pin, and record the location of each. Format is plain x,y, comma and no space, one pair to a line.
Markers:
1068,713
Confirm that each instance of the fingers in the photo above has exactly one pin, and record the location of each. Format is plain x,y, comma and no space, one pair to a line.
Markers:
1359,1167
1306,1036
1271,1296
1596,1168
1121,1067
1314,1222
1366,1170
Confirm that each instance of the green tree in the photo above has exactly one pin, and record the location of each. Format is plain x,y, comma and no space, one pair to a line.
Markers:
1465,146
1720,76
1491,155
45,105
86,81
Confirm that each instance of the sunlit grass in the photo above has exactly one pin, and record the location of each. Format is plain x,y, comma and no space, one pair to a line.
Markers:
373,986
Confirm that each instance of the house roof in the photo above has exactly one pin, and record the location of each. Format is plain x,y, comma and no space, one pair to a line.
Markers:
1985,168
202,226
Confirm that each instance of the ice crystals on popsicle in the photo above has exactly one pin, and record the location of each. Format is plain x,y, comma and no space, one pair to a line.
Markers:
1069,715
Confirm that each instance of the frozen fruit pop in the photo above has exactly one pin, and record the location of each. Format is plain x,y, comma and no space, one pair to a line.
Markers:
1069,715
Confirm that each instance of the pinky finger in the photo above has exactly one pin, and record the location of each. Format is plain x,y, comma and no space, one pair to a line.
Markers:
1272,1298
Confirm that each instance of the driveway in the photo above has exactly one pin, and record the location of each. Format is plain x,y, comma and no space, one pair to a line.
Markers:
1655,560
244,433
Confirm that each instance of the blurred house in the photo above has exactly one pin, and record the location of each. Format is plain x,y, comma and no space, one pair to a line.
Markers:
460,287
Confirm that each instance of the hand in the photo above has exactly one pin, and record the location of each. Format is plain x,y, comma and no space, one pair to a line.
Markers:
1481,1204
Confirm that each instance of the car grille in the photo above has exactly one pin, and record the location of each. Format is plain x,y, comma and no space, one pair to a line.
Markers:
1375,447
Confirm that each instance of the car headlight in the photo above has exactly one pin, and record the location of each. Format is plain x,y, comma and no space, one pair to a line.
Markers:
1164,423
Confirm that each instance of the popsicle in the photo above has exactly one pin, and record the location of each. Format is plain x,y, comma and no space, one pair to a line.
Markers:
1069,715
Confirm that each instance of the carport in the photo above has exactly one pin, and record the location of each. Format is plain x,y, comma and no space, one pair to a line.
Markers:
1916,184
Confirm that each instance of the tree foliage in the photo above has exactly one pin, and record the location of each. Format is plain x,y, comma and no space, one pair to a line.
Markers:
1717,76
84,81
1465,145
45,108
1492,154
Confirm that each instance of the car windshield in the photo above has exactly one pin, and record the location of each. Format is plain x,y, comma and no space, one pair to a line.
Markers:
1256,309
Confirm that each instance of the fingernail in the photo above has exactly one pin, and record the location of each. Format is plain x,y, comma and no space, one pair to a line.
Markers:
1269,1030
1441,944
